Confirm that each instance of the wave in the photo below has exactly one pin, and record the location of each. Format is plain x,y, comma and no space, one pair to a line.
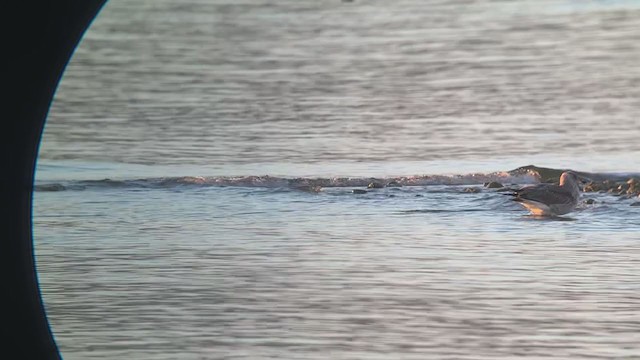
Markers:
523,175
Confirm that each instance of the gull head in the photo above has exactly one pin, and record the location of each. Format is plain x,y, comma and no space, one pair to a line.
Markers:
570,179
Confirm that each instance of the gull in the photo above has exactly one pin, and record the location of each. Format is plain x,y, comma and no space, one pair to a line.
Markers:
550,199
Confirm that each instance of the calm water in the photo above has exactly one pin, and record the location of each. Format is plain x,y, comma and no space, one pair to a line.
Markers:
206,116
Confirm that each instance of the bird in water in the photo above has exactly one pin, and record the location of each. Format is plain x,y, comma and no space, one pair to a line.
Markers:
550,199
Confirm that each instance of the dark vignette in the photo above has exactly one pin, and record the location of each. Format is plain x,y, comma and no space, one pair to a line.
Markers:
39,39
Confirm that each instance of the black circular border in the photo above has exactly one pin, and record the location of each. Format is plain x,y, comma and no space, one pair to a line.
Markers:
40,39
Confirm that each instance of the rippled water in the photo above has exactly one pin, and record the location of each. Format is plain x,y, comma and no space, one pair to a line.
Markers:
207,116
217,82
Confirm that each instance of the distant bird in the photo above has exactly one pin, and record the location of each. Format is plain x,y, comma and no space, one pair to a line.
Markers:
550,199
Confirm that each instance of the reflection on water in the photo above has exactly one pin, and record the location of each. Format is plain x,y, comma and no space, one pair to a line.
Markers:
548,218
254,273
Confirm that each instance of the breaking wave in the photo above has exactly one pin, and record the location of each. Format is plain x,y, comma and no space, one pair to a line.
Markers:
523,175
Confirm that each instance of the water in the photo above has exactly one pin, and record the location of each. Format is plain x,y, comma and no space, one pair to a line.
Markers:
207,117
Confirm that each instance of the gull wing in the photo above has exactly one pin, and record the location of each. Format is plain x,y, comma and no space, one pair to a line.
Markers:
546,194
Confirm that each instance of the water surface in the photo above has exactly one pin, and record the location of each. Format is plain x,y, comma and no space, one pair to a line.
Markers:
169,223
